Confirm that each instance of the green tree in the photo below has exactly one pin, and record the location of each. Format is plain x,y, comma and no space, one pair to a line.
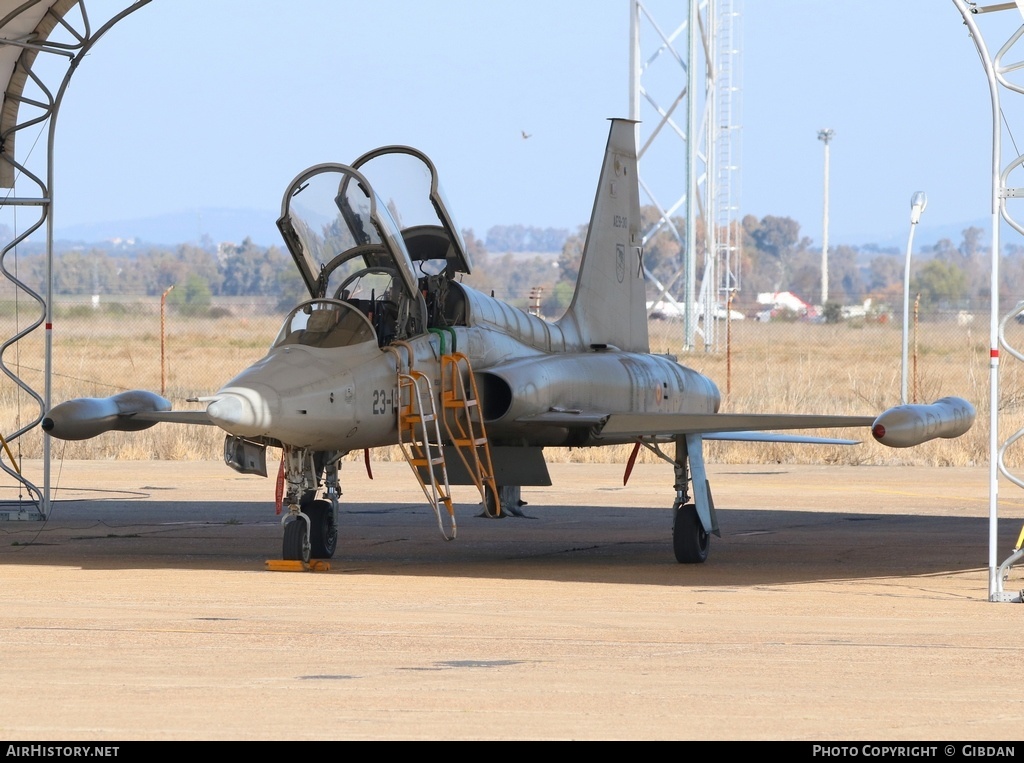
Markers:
663,252
833,311
572,253
844,275
290,288
939,283
475,248
776,236
885,275
774,254
250,270
191,298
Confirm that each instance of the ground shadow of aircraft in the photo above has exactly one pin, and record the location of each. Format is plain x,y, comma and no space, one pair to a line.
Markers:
575,541
392,349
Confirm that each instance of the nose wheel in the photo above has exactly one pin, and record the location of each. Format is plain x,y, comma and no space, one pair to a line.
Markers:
312,534
323,532
295,546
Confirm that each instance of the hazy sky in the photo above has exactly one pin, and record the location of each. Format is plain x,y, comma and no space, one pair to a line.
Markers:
220,103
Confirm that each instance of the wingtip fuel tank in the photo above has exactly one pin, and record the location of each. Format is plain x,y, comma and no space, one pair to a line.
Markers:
88,417
907,425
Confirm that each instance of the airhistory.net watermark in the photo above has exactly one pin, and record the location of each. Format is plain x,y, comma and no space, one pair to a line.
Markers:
60,751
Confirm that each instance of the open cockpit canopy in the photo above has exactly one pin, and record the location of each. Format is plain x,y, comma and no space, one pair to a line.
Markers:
417,203
341,236
386,212
372,235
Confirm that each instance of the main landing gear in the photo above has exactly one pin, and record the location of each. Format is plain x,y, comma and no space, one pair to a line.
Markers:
689,540
692,522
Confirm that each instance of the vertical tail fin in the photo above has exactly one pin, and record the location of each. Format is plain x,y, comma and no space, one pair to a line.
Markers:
610,303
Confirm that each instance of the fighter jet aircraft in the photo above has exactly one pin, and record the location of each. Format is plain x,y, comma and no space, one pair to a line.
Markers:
392,349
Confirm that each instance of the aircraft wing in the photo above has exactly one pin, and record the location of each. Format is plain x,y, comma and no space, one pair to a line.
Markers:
900,427
641,424
714,426
173,417
776,437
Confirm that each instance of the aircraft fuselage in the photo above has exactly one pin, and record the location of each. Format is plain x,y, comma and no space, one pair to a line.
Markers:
347,398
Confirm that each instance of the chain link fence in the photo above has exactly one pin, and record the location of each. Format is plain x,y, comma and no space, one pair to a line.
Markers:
104,346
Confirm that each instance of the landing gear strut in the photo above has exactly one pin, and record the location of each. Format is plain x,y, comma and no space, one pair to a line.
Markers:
311,530
692,522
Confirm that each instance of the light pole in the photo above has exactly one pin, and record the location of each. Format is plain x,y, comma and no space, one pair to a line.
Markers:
917,204
825,136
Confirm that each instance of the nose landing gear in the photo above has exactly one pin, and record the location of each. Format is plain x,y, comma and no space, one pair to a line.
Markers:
311,526
296,546
323,531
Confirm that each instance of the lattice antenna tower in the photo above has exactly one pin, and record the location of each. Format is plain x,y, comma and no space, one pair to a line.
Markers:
684,91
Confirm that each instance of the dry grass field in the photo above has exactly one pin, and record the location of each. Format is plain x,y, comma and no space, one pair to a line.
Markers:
846,368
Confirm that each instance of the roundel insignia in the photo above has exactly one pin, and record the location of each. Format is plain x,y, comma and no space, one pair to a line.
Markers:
658,394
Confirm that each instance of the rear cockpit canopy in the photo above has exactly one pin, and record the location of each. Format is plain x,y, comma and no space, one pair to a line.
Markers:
335,223
417,203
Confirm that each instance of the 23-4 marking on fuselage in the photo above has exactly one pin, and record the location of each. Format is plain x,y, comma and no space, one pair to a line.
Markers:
384,401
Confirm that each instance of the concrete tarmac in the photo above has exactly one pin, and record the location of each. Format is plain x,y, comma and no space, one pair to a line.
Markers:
840,604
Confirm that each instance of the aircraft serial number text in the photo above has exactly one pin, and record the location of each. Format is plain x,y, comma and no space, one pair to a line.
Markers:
384,402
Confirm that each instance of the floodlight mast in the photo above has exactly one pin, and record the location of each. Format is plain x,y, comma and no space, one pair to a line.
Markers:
825,135
917,204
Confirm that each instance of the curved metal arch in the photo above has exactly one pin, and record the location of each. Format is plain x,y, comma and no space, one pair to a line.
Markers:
25,30
996,70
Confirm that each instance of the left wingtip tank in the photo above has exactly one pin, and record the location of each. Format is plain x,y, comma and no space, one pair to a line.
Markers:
907,425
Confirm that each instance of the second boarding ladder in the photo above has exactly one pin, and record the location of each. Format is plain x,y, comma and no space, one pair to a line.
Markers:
419,436
465,427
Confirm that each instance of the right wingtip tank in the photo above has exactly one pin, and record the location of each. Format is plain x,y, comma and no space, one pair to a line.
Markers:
907,425
87,417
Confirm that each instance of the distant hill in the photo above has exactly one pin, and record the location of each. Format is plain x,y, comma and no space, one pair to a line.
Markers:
219,225
925,235
191,226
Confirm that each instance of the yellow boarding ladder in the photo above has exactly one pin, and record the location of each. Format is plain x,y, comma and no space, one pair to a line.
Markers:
465,427
420,439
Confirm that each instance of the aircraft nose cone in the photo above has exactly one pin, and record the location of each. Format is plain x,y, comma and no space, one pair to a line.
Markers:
231,409
243,412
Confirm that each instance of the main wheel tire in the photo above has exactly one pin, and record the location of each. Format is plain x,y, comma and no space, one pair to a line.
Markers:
293,547
323,535
689,541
